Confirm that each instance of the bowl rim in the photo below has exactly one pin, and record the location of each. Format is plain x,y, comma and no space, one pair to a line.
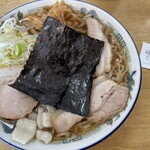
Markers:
117,127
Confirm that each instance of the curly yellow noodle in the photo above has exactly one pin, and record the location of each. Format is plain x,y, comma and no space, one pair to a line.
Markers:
119,66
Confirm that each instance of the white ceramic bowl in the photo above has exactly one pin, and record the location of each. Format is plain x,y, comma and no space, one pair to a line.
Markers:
105,130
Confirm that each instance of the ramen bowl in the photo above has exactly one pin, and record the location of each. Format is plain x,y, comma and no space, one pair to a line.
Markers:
106,129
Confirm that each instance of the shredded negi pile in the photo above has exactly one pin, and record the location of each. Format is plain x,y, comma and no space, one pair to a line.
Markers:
15,43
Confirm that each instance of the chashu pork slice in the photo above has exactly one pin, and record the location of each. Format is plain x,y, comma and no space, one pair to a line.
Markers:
63,121
99,94
114,102
9,74
13,103
95,31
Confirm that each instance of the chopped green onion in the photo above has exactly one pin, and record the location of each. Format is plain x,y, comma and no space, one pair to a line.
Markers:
18,50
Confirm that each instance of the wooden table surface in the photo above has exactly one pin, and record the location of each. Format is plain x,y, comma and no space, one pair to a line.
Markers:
134,134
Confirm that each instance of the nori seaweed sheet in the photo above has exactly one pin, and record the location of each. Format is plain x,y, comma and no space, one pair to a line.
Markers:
60,68
77,96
